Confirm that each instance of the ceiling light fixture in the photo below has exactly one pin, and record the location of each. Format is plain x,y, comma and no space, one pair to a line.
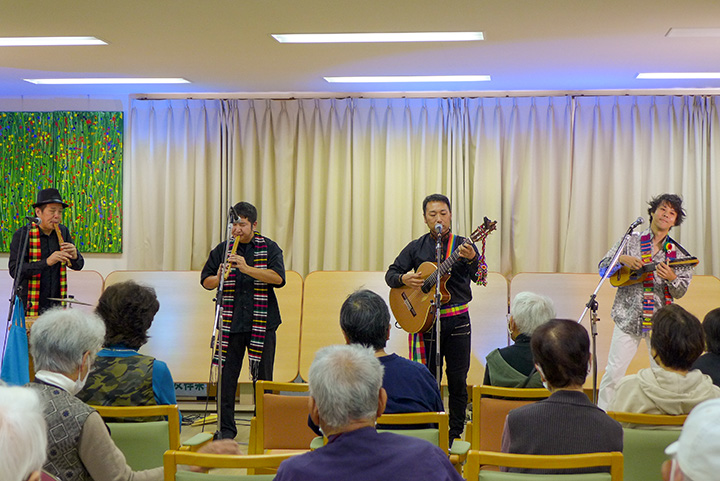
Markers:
378,37
48,41
90,81
409,78
693,32
678,75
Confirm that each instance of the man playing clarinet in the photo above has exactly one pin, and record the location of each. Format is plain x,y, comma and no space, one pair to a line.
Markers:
50,251
250,309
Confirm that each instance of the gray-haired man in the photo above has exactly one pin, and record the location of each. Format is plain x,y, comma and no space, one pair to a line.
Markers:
346,396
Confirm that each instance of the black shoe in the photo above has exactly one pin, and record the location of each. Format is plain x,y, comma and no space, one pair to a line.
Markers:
223,435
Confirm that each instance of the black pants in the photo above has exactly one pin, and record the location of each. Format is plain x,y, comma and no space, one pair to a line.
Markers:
237,345
455,350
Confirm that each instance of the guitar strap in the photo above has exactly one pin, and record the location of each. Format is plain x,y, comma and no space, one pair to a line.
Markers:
649,283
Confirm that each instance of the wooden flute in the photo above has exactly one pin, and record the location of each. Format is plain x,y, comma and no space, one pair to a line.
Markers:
60,238
232,253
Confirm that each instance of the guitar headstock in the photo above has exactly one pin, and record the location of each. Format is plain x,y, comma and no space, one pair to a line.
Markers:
484,230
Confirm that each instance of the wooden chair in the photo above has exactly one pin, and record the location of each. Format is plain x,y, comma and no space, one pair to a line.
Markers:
645,440
476,459
143,443
438,436
280,421
172,459
489,413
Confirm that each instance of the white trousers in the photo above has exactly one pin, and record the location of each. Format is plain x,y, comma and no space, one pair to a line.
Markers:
623,347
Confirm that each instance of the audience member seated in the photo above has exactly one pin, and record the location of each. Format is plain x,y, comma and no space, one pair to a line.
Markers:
63,343
346,396
567,422
696,454
23,435
410,387
121,376
709,363
512,366
672,388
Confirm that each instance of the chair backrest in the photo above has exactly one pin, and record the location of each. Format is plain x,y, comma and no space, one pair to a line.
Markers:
280,421
644,443
650,420
143,443
477,459
438,436
173,458
491,406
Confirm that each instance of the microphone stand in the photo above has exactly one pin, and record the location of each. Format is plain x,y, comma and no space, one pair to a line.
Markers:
218,326
592,306
438,297
16,286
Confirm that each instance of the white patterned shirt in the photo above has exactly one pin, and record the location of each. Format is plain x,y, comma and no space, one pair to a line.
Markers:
627,311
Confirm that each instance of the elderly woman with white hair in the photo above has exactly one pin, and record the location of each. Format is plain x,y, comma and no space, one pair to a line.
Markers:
23,435
63,343
513,366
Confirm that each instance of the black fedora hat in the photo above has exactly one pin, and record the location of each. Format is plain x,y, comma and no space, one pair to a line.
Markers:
49,196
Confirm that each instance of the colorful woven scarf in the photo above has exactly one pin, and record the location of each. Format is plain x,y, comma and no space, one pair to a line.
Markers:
260,309
35,255
482,267
649,283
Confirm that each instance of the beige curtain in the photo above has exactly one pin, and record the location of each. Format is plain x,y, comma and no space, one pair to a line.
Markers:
175,193
339,183
629,149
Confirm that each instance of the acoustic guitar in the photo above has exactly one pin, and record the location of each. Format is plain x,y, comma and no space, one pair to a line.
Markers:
627,277
414,308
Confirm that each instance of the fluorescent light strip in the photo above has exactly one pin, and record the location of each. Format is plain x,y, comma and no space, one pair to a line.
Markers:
409,78
90,81
48,41
678,75
693,32
378,37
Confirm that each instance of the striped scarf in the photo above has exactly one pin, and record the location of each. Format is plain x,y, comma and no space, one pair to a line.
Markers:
649,283
33,298
260,309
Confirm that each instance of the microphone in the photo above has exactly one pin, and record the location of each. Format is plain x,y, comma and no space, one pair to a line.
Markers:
637,222
34,220
438,228
233,215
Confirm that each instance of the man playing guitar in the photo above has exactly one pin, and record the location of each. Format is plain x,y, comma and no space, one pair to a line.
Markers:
635,302
455,319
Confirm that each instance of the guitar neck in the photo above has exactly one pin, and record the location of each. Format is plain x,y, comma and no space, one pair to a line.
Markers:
444,268
687,262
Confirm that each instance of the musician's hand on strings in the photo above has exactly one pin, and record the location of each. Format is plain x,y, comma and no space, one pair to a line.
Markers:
634,263
57,256
412,279
664,271
70,249
467,251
